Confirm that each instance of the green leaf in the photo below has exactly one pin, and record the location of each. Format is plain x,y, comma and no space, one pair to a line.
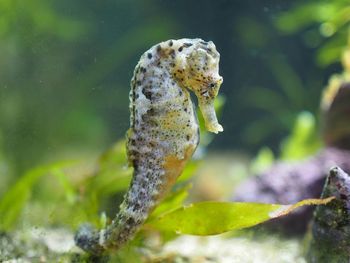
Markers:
211,218
69,190
262,161
13,201
331,51
189,170
303,141
171,202
113,174
304,15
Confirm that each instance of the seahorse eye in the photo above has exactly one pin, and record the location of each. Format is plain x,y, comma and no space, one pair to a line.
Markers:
212,85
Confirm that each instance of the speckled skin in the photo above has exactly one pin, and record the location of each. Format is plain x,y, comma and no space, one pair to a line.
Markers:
163,132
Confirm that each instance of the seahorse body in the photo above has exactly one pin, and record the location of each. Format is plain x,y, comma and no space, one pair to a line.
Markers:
163,132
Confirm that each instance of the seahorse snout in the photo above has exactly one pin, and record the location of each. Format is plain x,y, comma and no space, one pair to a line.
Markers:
209,116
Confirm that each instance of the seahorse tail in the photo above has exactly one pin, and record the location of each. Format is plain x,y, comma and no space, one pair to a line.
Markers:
97,242
126,223
118,233
137,205
87,238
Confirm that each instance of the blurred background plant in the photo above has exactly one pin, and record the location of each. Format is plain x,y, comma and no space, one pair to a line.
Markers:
65,69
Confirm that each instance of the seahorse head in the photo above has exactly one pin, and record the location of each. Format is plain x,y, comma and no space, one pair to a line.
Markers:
198,70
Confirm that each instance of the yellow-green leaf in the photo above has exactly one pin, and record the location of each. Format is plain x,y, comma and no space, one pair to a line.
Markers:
172,201
211,218
13,201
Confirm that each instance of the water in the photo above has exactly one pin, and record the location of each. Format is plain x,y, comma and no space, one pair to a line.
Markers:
65,73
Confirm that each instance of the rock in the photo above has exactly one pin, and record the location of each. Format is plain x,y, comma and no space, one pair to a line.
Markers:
330,236
287,183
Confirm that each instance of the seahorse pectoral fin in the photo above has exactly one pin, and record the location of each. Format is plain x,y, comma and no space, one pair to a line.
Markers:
208,111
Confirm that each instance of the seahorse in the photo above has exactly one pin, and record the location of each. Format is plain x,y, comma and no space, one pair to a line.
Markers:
163,132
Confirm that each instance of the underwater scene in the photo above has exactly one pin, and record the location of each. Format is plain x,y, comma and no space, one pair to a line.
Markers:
175,131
